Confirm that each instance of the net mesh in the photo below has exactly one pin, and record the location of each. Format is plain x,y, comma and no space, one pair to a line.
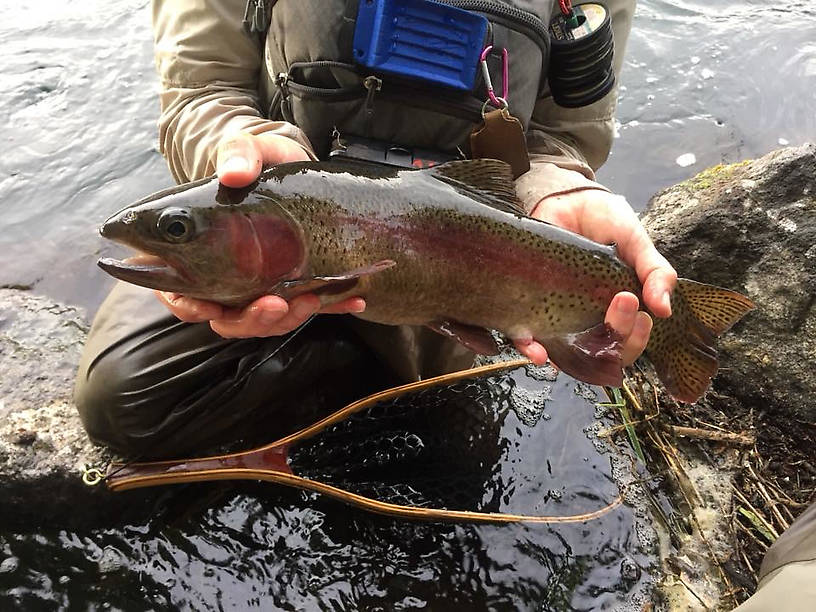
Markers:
435,447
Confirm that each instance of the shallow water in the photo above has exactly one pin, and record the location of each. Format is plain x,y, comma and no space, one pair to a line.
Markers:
260,545
722,82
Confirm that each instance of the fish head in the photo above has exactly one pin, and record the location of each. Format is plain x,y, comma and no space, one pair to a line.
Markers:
207,241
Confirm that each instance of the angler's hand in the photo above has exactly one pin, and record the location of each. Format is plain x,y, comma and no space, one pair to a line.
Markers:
607,218
241,157
269,315
239,162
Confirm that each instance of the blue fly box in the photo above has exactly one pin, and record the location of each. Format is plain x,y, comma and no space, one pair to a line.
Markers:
420,39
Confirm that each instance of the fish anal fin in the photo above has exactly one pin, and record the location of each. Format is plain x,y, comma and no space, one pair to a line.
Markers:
477,339
329,285
681,348
592,356
488,181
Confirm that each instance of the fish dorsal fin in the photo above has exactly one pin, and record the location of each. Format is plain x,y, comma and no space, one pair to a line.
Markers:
488,181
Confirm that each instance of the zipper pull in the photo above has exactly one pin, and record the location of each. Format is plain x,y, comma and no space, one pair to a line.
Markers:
256,17
282,82
373,85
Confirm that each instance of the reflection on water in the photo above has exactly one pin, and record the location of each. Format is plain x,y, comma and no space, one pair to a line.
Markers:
260,545
722,81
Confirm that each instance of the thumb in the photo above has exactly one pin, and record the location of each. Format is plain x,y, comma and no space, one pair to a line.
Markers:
238,161
241,157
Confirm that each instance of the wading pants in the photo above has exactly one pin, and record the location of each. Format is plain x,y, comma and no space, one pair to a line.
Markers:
150,386
788,573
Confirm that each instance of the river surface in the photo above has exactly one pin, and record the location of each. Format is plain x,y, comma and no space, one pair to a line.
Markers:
704,83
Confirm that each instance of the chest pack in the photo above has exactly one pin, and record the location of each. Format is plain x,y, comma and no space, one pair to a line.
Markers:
329,74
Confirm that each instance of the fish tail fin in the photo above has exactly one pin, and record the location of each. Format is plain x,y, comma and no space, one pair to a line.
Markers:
682,346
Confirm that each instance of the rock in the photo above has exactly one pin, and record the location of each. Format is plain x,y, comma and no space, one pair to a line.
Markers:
43,447
751,227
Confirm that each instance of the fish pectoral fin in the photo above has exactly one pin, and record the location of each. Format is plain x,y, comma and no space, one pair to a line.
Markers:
593,356
477,339
329,285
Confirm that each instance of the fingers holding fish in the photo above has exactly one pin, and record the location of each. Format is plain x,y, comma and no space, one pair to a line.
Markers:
658,285
354,305
656,274
532,350
271,315
633,325
623,315
609,218
267,316
189,310
637,341
241,157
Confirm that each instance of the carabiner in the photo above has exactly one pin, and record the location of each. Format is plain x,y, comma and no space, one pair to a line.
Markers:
497,101
92,476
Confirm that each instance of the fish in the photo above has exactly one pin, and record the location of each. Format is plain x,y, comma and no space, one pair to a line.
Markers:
449,247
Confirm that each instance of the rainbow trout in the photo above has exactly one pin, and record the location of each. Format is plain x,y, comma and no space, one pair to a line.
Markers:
448,247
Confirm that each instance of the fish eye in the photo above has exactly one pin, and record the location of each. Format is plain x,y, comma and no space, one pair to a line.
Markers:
176,225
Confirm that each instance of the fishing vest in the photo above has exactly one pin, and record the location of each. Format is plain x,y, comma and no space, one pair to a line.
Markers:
309,77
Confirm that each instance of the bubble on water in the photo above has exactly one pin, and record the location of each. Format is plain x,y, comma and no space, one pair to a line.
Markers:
9,565
529,405
707,73
686,159
543,373
110,561
630,571
586,392
555,494
64,579
783,142
695,60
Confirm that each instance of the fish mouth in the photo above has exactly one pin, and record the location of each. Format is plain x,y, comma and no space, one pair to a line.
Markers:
149,271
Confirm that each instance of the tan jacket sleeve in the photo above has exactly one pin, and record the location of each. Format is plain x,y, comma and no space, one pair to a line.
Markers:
567,145
208,70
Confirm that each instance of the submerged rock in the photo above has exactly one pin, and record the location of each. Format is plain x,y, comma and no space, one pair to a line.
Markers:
751,227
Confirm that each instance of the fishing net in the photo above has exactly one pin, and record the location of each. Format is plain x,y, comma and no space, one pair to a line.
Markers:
461,446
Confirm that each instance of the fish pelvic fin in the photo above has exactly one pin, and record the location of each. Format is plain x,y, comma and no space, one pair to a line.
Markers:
682,346
593,356
488,181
